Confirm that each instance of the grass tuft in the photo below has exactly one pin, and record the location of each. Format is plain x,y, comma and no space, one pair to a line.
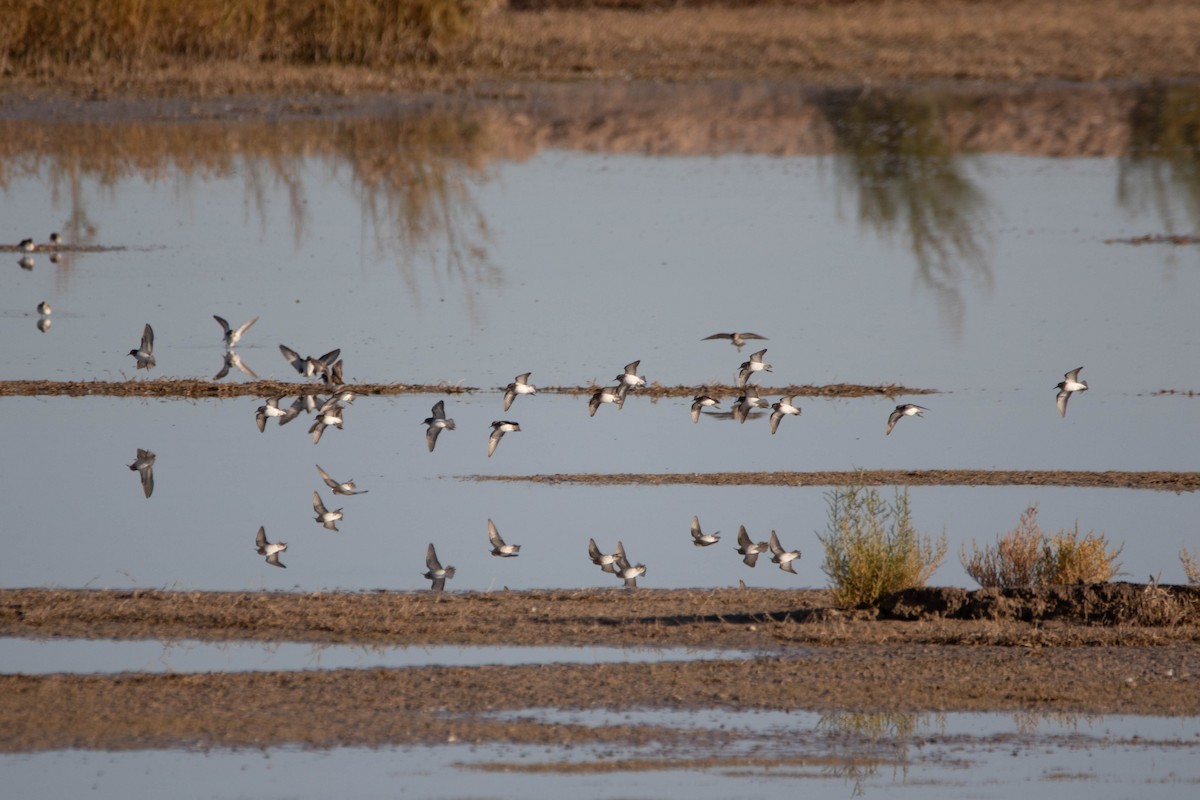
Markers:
1191,566
871,547
1026,556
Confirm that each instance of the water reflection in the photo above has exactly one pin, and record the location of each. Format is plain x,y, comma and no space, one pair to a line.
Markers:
1161,171
412,175
902,166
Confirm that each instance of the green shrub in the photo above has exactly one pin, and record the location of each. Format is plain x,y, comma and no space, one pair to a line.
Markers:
871,547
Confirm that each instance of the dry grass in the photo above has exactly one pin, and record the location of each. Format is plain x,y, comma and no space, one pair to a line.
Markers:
165,45
871,547
1013,562
1026,556
1191,566
35,34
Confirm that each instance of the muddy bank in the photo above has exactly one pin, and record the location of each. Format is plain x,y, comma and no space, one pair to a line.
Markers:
755,619
1161,481
812,657
198,387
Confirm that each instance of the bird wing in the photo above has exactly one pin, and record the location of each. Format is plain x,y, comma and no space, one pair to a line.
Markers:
776,547
431,559
293,358
494,535
330,482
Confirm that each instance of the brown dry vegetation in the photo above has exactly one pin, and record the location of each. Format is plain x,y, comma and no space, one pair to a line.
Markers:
251,45
196,388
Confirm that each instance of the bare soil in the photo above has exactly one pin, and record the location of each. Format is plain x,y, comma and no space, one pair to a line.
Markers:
1109,648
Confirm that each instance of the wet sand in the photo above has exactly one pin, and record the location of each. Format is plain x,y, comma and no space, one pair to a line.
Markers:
1105,649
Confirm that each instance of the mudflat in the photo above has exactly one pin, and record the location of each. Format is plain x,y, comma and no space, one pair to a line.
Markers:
1102,649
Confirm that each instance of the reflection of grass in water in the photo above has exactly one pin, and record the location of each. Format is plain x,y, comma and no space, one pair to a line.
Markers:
1162,168
899,161
414,187
412,174
895,728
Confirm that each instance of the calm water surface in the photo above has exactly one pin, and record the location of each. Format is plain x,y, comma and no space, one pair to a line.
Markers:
983,276
428,253
830,756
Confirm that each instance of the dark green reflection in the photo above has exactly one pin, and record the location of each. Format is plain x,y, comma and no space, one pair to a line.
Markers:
413,175
899,161
1161,169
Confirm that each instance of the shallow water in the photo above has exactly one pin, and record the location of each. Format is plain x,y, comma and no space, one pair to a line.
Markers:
985,755
90,656
432,249
217,479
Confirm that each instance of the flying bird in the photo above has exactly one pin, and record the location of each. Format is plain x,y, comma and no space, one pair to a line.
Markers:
738,340
499,548
628,573
269,549
755,364
144,466
520,385
436,572
905,410
700,401
629,378
747,403
144,354
749,550
783,558
272,409
340,487
608,394
1069,385
605,561
781,409
309,367
701,539
437,423
327,518
231,336
498,430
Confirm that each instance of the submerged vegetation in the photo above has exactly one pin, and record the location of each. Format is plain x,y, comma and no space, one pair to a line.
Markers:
1026,557
872,548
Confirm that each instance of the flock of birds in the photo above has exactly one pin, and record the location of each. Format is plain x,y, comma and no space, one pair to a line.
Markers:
329,413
